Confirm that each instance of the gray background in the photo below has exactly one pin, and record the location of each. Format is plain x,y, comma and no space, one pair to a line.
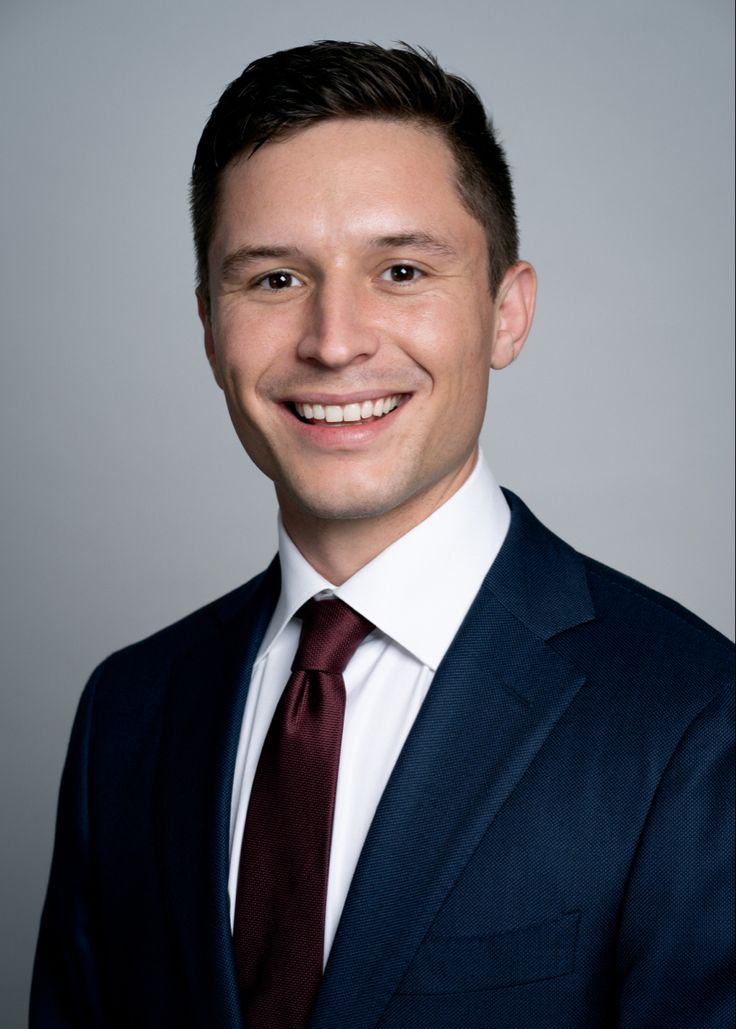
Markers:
126,500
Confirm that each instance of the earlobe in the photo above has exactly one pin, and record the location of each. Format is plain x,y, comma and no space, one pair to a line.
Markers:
514,313
209,341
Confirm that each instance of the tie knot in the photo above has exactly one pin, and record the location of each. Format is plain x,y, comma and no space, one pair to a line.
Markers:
331,633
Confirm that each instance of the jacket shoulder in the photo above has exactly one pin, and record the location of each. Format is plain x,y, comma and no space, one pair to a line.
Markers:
648,604
583,604
637,647
653,640
147,656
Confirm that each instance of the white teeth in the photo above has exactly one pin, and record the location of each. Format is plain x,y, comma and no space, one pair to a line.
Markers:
336,413
351,413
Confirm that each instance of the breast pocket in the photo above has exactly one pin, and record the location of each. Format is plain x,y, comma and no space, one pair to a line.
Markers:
456,964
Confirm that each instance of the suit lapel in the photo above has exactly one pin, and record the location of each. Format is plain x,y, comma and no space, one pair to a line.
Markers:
495,698
201,728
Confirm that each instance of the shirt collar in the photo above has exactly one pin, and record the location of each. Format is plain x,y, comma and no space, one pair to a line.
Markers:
418,590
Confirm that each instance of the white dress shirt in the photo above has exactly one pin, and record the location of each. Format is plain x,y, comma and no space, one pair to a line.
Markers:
416,593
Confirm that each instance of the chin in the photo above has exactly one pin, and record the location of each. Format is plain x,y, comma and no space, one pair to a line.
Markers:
341,508
351,501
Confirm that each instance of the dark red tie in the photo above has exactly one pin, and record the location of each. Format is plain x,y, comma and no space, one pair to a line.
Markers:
279,923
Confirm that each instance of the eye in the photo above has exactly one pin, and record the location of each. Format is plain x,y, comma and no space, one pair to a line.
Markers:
401,273
276,281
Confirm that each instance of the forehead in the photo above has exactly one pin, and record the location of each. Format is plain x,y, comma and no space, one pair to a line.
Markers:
377,175
362,138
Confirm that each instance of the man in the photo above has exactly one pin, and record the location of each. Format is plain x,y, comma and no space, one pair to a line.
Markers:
494,790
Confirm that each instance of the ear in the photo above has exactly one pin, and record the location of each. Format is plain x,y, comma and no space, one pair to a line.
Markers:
514,313
209,341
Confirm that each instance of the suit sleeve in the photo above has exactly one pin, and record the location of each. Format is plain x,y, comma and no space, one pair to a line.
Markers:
65,991
676,961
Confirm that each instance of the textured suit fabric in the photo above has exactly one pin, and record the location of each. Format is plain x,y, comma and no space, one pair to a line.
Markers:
554,847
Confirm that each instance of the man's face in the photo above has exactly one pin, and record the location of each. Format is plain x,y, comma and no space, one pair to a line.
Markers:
352,327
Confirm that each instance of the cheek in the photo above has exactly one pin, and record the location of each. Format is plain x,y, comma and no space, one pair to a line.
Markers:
247,352
456,351
239,379
446,325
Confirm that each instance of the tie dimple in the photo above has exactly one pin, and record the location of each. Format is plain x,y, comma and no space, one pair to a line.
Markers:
331,633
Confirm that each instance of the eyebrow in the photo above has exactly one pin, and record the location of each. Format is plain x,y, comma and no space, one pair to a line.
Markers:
239,259
416,241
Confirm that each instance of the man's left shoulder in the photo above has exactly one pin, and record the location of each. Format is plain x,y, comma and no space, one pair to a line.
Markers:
637,645
651,642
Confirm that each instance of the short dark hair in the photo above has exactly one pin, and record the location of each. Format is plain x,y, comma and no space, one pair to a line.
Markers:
292,89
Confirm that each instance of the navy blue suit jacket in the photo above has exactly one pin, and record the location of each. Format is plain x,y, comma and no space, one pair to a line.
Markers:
554,847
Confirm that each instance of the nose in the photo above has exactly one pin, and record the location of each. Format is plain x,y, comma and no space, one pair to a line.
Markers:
338,330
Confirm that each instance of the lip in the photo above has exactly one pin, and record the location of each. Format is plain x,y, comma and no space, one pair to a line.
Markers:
340,399
338,436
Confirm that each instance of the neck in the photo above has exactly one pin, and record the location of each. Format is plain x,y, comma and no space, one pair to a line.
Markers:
338,548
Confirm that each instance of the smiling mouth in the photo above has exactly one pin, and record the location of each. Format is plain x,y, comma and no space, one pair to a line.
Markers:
341,414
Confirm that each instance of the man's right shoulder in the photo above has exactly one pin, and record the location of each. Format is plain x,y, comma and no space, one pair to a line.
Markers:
149,658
